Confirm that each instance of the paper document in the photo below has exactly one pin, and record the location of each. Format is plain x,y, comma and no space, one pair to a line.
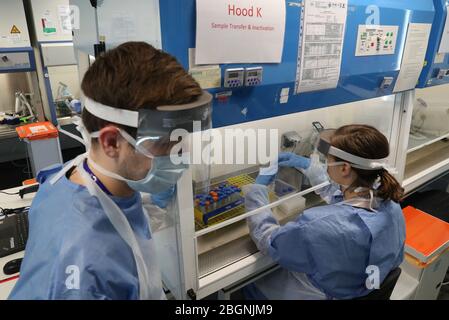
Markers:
65,19
414,54
207,76
244,31
444,44
320,51
124,28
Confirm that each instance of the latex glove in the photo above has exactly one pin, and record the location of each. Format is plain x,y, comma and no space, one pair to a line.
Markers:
163,198
263,224
268,174
265,180
256,196
291,160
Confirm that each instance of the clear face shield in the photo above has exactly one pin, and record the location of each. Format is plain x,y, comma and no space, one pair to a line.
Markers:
162,131
181,131
161,134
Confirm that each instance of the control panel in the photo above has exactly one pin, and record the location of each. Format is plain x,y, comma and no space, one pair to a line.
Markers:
376,40
14,61
253,76
386,82
234,78
442,74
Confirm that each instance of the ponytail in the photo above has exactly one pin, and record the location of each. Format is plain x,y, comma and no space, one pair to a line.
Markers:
389,189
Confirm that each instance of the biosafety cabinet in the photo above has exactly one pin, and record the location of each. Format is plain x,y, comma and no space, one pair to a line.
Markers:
426,149
51,28
18,78
427,146
290,66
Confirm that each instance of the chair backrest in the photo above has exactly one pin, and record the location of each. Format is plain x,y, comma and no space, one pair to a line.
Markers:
386,288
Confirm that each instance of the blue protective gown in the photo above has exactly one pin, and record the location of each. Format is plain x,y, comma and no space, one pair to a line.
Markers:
73,251
325,252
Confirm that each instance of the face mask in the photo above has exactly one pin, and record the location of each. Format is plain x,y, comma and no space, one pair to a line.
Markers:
342,187
162,176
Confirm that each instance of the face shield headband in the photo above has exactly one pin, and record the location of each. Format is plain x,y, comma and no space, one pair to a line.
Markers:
325,148
154,126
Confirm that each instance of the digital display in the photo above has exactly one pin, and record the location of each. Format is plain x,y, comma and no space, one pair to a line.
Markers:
252,74
233,75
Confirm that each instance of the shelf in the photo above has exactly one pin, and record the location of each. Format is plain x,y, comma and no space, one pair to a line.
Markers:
63,121
7,132
422,140
227,254
426,157
426,163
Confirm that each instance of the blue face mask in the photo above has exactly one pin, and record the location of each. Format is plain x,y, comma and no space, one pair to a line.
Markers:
163,175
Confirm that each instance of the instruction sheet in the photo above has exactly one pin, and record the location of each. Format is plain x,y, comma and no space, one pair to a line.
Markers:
320,50
413,58
244,31
444,44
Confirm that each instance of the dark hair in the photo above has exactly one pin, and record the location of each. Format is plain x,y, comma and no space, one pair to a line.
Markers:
367,142
136,75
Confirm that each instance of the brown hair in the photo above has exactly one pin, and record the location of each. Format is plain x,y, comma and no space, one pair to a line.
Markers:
136,75
367,142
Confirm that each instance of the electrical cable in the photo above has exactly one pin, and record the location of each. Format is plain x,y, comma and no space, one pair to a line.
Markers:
9,194
7,212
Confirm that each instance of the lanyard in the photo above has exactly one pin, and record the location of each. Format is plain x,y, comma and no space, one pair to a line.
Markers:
95,179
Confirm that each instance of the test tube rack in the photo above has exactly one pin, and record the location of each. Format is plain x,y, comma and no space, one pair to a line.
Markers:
235,207
227,201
